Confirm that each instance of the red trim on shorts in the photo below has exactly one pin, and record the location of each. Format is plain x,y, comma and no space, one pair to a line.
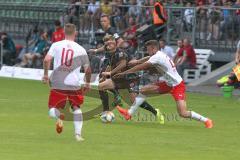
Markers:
58,98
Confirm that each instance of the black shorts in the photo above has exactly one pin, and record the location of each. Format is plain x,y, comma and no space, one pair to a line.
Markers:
130,82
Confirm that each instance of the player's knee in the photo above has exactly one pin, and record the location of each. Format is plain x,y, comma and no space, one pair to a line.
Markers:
54,113
183,114
100,87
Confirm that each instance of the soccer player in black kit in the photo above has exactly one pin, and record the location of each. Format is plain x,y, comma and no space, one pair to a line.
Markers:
119,63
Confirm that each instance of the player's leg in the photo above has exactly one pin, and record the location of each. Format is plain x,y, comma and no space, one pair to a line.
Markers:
183,112
139,99
77,122
76,99
57,100
178,93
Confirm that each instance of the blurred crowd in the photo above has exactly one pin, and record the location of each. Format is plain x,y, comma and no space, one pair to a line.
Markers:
213,23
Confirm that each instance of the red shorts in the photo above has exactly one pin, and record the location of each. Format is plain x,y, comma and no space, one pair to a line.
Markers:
58,98
178,92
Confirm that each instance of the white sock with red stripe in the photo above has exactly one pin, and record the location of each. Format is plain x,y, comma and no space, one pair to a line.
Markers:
54,113
198,117
140,98
78,121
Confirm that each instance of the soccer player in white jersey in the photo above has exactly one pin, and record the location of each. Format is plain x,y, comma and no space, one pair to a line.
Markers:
68,57
169,82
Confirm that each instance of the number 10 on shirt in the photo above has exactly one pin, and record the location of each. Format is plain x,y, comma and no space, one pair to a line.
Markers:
67,57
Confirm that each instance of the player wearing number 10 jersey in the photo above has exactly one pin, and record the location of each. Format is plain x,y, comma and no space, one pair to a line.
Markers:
68,57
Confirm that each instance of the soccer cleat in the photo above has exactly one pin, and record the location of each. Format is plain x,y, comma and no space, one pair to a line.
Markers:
209,123
59,123
160,117
79,138
124,113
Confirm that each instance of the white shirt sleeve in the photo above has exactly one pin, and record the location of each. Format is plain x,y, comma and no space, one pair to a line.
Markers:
153,59
51,50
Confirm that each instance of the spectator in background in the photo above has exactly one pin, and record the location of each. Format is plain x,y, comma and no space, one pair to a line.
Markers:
159,16
106,7
226,25
58,34
81,10
9,49
119,15
177,58
130,36
147,11
73,14
200,2
186,57
214,16
93,15
134,11
30,58
201,19
188,17
166,49
31,40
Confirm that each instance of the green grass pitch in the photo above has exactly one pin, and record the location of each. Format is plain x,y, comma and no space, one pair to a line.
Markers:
27,133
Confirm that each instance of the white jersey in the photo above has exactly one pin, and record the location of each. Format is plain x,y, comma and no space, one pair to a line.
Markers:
166,69
68,57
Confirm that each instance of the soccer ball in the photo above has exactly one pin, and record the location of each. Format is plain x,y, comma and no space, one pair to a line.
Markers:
107,117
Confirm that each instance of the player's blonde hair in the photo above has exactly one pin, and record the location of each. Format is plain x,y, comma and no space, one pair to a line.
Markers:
152,43
69,29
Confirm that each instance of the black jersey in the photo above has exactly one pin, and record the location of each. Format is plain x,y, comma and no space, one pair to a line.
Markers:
116,58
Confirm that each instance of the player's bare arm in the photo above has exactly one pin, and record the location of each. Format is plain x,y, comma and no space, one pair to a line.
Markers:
139,67
97,50
88,72
138,61
46,65
122,64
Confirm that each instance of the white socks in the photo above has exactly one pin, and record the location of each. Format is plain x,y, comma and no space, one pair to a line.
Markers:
77,118
78,121
198,117
54,113
138,101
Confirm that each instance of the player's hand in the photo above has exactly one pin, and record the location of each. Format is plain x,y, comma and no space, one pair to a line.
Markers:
92,51
106,74
133,62
86,88
45,79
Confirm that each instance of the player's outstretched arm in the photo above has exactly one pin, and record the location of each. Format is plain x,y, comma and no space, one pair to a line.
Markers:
139,67
46,65
139,61
122,64
88,73
98,50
